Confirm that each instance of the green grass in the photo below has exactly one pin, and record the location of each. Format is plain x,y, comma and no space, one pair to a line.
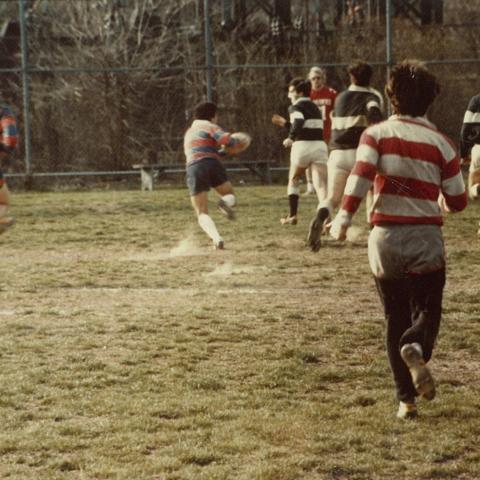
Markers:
129,349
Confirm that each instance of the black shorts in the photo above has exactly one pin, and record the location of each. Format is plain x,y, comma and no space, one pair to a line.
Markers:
205,174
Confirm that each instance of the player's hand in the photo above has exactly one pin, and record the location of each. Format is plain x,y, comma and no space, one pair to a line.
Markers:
337,230
443,204
278,120
288,142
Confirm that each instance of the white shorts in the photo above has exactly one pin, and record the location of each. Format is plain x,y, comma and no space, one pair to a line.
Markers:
475,159
343,160
306,152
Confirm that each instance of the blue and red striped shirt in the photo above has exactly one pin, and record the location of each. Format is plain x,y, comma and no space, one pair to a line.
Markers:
204,139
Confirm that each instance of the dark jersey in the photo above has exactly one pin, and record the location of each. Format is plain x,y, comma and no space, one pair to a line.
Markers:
355,109
470,132
306,121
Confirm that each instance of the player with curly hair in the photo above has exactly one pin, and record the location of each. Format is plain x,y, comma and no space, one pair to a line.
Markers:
415,172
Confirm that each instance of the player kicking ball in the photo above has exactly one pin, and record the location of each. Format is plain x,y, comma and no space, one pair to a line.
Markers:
205,144
415,172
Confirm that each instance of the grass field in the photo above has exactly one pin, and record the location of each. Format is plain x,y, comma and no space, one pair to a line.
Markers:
129,349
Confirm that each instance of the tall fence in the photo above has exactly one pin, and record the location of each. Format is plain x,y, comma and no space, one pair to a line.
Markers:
101,85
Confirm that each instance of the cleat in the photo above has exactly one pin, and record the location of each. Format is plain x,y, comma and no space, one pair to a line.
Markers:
288,220
226,210
219,245
316,229
411,354
407,410
6,223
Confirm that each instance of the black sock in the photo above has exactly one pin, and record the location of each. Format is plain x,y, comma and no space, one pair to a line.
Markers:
322,214
293,202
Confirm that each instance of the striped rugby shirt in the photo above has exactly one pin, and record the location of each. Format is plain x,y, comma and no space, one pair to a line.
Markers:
409,162
8,136
306,121
355,109
8,131
204,139
470,132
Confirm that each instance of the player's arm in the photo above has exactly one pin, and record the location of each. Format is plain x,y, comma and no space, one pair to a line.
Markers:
452,186
374,111
297,121
280,121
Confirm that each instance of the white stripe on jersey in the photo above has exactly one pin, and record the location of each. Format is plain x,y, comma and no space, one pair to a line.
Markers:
409,131
354,182
372,104
313,123
471,117
296,115
453,185
343,123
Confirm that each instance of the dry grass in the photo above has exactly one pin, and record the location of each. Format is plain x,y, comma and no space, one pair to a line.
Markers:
131,350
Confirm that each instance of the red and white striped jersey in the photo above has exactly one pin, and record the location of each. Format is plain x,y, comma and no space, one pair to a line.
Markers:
409,163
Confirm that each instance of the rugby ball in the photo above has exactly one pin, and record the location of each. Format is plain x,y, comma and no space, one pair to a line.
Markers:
242,145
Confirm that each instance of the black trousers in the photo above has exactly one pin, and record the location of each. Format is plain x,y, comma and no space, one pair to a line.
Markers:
413,309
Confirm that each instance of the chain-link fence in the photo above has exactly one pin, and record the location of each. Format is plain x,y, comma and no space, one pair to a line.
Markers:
101,85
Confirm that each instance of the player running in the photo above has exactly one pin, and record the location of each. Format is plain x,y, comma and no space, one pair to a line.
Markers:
415,171
355,108
8,144
305,139
203,144
470,145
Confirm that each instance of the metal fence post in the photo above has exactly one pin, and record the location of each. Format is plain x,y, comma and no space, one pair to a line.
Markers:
208,50
26,93
388,27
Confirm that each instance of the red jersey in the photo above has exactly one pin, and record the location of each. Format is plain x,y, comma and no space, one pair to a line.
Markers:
324,99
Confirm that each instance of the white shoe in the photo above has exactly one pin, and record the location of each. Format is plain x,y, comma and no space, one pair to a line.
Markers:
412,355
407,410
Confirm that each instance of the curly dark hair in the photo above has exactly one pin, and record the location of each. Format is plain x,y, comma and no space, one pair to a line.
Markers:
411,88
204,111
301,86
361,71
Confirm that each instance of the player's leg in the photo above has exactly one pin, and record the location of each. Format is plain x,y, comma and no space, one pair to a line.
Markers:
385,258
227,199
310,182
320,178
198,181
293,189
426,280
6,221
200,205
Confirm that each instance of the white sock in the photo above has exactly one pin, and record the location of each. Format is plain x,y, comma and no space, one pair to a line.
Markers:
208,226
229,199
293,190
310,187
